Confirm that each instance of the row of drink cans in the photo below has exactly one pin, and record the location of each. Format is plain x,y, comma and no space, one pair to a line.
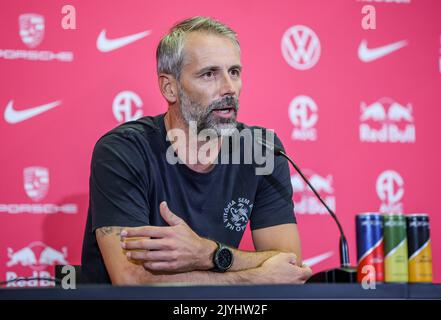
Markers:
396,246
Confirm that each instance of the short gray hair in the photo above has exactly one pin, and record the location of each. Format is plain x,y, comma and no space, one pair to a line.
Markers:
170,53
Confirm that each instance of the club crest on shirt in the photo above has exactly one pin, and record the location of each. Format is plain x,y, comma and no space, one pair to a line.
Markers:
237,213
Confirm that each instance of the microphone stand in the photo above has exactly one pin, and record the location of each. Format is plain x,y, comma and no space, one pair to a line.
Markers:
344,274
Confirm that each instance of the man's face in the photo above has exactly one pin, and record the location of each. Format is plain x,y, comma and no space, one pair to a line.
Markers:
210,82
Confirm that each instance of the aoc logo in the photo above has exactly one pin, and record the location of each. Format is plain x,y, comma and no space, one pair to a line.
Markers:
36,257
303,115
300,47
127,106
390,190
31,29
305,201
387,121
236,214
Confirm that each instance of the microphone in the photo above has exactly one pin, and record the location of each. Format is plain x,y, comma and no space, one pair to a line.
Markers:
345,273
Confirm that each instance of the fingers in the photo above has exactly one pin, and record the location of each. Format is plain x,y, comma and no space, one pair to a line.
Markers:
307,270
146,231
153,231
162,266
152,256
146,244
290,257
168,215
163,261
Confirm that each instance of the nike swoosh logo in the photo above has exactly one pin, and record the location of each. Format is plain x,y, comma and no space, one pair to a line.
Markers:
367,55
317,259
104,44
13,116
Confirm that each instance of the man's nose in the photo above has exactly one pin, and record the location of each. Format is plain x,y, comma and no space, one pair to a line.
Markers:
227,85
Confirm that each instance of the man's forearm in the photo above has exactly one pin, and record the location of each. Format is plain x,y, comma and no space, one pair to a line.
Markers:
244,260
278,269
251,276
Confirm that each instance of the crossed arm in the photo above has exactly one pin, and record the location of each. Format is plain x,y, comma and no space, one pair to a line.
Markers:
176,254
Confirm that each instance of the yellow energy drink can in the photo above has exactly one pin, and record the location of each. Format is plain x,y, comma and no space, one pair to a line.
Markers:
419,250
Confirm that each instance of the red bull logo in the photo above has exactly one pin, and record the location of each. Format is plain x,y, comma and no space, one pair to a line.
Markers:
398,113
305,201
387,121
373,112
27,256
37,256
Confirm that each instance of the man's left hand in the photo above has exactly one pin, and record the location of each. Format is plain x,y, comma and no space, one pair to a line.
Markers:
176,248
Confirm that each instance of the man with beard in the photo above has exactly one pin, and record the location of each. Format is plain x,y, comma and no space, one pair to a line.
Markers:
152,220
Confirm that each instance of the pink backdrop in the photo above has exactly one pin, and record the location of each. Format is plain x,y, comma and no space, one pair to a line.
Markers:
362,122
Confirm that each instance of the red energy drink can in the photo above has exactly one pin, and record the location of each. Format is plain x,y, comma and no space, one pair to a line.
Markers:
370,246
419,250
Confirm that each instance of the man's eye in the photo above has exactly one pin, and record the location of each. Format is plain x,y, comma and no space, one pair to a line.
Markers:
235,72
208,75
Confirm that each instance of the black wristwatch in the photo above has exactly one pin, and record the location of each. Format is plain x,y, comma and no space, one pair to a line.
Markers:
222,258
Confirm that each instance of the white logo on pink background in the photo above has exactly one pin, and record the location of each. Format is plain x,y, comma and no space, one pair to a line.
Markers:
303,115
36,256
36,182
127,106
387,121
300,47
390,190
27,256
31,29
305,201
36,187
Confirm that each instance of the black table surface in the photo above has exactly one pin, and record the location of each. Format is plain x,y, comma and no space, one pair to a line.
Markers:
233,292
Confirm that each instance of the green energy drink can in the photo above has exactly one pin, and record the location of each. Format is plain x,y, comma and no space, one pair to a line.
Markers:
420,252
395,248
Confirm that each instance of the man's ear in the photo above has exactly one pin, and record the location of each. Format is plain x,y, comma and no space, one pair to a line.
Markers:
168,87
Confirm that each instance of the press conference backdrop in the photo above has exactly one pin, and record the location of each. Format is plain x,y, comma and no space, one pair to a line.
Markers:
359,110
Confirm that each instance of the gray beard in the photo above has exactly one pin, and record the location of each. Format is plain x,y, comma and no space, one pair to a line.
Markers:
203,115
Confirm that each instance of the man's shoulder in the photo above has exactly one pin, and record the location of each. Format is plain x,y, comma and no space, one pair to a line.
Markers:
147,128
131,140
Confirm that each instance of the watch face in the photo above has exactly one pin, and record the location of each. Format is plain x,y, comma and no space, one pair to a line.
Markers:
225,258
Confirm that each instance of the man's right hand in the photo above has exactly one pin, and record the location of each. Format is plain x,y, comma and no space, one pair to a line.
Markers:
282,269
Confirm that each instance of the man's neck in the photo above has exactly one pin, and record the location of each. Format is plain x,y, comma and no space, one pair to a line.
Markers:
190,146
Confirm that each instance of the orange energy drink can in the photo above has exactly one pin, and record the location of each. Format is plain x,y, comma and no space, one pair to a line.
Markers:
419,250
